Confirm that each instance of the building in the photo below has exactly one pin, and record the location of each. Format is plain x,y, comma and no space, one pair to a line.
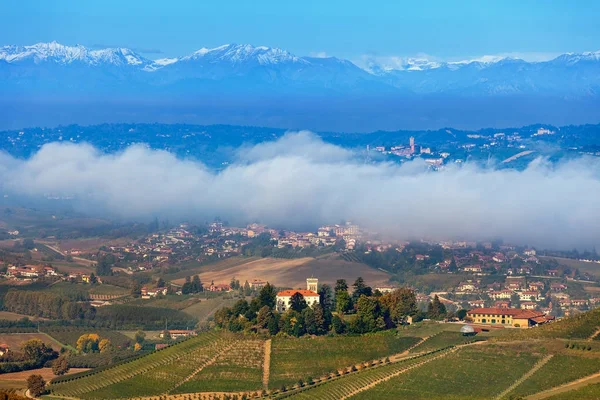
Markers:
385,289
284,298
257,284
508,317
178,333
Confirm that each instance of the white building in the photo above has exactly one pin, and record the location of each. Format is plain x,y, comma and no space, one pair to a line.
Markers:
310,295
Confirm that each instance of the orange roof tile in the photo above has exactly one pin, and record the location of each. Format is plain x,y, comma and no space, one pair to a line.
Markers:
304,293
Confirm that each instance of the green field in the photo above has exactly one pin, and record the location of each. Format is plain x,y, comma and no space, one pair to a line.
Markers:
559,370
299,358
586,392
69,335
207,307
442,339
477,372
110,290
238,369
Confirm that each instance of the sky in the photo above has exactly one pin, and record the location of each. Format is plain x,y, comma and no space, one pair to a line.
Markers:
436,29
301,182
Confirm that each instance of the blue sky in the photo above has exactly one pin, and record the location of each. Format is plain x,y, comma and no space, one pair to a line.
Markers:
440,29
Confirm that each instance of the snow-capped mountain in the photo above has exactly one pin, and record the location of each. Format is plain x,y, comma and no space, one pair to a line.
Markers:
61,54
261,77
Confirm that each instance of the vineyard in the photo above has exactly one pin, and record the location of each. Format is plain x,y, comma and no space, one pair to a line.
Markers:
560,369
68,335
238,369
154,374
294,359
439,340
477,372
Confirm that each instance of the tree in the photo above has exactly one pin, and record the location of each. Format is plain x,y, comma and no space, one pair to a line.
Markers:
367,312
267,296
93,279
104,265
138,347
104,345
360,289
452,267
343,302
140,337
186,288
515,300
400,303
247,289
297,302
88,343
264,317
60,366
339,326
341,286
197,284
321,322
436,309
461,314
326,297
136,289
160,283
33,349
310,324
36,385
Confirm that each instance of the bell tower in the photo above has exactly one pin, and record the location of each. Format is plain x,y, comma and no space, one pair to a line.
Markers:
312,284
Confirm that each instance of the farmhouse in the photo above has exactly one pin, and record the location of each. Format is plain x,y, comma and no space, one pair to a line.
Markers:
284,298
511,317
178,333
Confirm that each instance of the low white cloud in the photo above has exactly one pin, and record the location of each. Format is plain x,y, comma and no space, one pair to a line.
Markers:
300,182
318,54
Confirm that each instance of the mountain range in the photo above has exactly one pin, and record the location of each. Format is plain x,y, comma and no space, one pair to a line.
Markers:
241,83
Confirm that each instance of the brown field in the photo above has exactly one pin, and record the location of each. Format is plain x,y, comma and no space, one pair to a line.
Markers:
11,316
293,272
90,244
14,340
590,268
18,380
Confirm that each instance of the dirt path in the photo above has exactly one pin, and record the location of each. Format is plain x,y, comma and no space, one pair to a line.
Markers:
526,376
397,357
516,156
267,365
594,335
576,384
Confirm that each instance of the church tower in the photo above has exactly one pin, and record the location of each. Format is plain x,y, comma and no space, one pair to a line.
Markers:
312,284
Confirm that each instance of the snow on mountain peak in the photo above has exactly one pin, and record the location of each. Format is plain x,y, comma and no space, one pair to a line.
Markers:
238,53
61,54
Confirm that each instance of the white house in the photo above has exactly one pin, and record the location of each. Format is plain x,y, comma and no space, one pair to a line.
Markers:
284,298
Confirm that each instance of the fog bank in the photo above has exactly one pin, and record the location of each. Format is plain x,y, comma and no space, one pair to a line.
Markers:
299,181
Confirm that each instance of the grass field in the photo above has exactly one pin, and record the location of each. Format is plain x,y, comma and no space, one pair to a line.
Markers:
478,372
442,339
238,369
591,268
69,335
11,316
110,290
207,307
170,301
293,359
586,392
14,340
559,370
18,380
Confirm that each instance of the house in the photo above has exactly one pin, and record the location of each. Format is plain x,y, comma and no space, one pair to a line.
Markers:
257,284
283,300
4,349
468,286
502,304
537,286
579,302
511,317
476,269
222,287
528,305
501,295
178,333
529,252
558,287
385,289
476,303
529,295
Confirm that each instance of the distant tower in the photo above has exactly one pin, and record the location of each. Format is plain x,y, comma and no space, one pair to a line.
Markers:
412,144
312,283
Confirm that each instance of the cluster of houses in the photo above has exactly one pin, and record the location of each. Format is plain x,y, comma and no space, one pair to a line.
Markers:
30,272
